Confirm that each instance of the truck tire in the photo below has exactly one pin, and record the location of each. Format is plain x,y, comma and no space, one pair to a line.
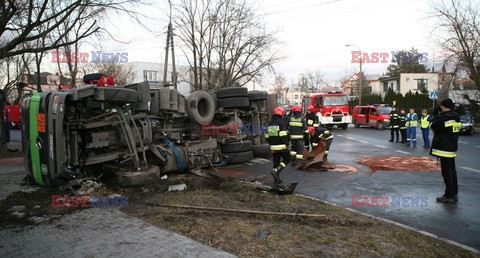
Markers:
344,126
116,95
261,150
232,147
240,157
257,95
200,107
241,102
232,92
92,77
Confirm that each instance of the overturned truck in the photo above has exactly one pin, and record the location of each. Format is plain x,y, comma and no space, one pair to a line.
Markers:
137,132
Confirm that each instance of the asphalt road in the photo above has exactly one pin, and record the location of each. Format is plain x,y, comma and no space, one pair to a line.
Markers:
459,222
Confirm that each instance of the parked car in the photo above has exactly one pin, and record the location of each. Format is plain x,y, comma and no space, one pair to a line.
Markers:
377,116
467,123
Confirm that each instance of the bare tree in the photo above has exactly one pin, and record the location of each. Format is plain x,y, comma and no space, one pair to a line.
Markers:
311,81
279,85
458,27
12,71
123,74
226,42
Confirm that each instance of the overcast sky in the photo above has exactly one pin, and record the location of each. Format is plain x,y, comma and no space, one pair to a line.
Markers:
313,32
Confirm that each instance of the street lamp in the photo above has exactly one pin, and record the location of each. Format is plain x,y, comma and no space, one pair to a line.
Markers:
361,61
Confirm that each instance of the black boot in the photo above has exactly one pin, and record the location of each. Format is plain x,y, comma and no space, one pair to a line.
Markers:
391,140
325,157
445,199
276,177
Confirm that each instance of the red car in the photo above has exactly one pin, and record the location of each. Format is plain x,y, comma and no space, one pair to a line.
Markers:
375,116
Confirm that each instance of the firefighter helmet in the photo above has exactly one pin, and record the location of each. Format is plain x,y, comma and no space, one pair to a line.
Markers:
279,111
311,130
310,108
296,109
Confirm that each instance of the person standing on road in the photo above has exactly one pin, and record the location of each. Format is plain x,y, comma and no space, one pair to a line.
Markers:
321,134
412,123
296,128
277,138
403,125
446,126
312,120
394,124
425,121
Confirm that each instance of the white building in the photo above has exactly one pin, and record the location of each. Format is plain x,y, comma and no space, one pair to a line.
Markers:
153,72
423,82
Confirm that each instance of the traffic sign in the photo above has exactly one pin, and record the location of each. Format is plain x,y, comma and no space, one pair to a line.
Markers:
433,95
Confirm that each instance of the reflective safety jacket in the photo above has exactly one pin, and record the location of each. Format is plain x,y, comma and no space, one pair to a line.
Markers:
446,127
401,121
412,120
312,119
277,134
320,134
425,121
394,120
296,126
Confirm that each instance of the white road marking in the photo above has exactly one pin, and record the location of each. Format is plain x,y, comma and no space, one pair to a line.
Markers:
403,152
471,169
350,138
340,135
381,146
478,146
463,142
363,141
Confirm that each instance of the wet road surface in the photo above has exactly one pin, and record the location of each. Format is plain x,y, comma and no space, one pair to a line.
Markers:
411,195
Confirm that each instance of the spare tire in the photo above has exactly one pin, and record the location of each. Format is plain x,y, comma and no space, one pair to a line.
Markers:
200,107
236,146
232,92
261,150
257,95
234,103
239,157
116,95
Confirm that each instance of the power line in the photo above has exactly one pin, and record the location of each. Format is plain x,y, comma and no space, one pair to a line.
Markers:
302,7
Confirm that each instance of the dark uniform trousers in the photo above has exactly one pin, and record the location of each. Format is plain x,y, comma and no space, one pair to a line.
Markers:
449,174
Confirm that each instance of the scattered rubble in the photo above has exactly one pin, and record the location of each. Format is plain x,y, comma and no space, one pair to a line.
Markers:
404,164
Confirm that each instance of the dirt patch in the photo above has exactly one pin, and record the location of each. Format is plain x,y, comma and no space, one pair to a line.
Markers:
404,164
341,233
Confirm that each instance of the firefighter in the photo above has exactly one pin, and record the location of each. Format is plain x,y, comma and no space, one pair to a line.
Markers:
412,122
425,121
296,128
277,137
446,126
321,134
403,125
312,120
394,124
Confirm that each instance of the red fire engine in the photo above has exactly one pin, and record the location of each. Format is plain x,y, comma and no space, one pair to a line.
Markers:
331,108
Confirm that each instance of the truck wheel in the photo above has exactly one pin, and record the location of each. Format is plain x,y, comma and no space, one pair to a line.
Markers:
236,146
380,126
240,157
232,92
116,95
200,107
261,150
92,77
257,95
356,124
345,126
240,102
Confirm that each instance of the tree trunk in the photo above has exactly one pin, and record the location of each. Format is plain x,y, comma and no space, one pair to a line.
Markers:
3,136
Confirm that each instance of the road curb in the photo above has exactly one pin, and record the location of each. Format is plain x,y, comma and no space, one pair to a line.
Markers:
425,233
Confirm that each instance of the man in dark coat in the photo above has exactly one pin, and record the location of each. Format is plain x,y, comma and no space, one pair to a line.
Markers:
446,126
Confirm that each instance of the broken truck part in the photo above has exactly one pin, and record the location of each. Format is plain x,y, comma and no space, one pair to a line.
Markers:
136,132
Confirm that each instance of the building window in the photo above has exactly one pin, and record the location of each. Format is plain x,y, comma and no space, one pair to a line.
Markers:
295,96
149,75
422,85
385,86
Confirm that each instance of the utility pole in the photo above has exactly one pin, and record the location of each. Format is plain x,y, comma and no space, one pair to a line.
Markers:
171,45
361,77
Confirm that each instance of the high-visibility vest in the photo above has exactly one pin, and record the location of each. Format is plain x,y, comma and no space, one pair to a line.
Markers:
412,123
424,123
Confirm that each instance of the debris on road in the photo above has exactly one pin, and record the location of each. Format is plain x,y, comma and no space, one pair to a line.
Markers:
177,188
404,164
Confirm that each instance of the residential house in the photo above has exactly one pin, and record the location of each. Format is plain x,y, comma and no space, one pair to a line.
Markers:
424,82
389,82
350,86
290,96
374,82
48,81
